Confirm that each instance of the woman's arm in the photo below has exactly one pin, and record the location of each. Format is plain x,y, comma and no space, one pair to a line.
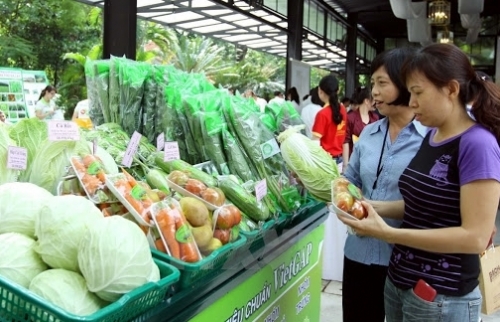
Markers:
389,209
345,155
478,208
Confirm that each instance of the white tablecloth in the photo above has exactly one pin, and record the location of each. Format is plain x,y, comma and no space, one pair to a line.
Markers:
333,248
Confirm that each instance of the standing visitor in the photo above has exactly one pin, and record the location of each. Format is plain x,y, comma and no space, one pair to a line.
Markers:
330,123
310,111
360,117
43,108
81,114
450,193
383,151
292,95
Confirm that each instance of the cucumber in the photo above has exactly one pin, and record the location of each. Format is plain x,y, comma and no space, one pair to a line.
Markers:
158,180
244,200
192,172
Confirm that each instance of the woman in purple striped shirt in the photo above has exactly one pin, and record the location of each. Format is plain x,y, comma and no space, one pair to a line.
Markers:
450,193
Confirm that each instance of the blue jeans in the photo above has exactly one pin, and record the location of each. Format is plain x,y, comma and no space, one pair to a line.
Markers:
404,306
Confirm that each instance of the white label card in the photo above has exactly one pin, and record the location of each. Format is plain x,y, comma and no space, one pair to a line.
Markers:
63,131
171,151
132,147
17,158
261,189
269,148
160,142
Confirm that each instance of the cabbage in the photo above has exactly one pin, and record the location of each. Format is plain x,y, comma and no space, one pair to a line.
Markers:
60,227
313,165
6,175
29,133
18,260
67,290
115,258
49,165
20,205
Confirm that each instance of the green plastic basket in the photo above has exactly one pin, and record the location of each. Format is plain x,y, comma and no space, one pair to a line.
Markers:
19,305
256,238
194,275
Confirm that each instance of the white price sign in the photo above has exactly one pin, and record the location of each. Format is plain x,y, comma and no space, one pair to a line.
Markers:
261,189
17,158
171,151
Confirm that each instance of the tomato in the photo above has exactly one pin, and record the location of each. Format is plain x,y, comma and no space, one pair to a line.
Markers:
358,210
344,201
225,218
213,197
236,213
194,186
223,235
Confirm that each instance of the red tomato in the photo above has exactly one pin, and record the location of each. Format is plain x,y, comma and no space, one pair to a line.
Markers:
358,210
344,201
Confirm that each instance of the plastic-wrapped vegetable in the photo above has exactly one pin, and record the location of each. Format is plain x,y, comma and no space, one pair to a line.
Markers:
312,164
149,105
236,158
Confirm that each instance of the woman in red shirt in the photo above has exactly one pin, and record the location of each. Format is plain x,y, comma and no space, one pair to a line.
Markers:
360,117
331,122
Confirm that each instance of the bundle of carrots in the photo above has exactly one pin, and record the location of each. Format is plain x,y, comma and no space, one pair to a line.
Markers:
91,174
135,194
177,235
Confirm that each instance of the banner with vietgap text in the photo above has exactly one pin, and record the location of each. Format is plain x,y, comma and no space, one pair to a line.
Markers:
287,289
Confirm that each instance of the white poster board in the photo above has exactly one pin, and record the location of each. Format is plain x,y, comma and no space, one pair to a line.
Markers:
34,82
300,77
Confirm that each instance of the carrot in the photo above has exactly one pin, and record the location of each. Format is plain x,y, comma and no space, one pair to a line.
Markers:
122,186
188,250
106,212
91,183
79,167
166,224
160,246
138,206
132,182
88,160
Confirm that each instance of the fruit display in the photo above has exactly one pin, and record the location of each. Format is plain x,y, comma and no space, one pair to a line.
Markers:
181,182
346,197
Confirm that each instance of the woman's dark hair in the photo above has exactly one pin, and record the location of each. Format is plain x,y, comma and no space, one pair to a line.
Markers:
47,89
361,93
315,96
294,95
392,60
444,63
330,85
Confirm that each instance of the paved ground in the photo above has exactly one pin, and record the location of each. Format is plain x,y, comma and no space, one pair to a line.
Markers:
331,297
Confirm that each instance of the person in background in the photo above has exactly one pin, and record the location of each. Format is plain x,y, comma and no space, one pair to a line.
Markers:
310,110
450,192
3,118
292,95
383,151
330,123
261,103
278,98
357,120
346,101
81,115
43,108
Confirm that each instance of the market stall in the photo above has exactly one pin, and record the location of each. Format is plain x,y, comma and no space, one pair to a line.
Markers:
181,198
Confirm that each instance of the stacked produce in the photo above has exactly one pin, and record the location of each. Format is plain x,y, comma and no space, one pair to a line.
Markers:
63,249
208,124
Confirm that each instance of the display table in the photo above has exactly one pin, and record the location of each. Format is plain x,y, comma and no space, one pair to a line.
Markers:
279,282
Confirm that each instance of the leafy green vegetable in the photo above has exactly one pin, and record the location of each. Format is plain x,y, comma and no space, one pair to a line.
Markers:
312,164
18,260
30,134
6,175
51,161
67,290
60,227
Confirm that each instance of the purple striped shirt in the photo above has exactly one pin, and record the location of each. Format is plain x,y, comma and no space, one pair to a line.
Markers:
430,187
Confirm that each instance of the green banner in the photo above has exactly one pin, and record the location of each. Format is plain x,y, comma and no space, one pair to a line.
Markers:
287,289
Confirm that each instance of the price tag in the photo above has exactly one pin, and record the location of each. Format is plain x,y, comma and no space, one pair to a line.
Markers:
269,148
63,131
261,189
171,151
132,147
94,146
160,142
17,158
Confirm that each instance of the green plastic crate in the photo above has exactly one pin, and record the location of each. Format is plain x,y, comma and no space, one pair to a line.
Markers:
256,238
19,305
195,274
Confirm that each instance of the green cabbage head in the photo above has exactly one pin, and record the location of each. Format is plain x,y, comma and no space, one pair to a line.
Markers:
60,227
20,204
66,290
19,262
115,258
309,161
